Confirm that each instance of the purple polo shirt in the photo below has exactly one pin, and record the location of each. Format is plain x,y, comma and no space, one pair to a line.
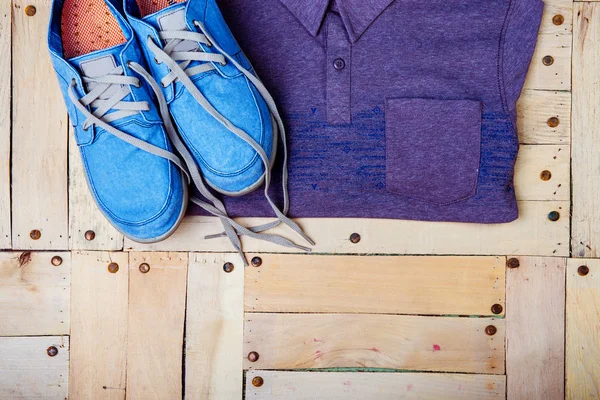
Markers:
400,109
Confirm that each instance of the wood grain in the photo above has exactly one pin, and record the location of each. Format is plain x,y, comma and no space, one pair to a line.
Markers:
5,94
214,328
291,385
532,161
84,215
34,294
585,233
535,335
531,234
27,372
293,341
99,303
368,284
583,330
39,140
156,320
535,108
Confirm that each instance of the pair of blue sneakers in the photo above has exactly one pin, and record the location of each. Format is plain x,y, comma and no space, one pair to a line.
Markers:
160,96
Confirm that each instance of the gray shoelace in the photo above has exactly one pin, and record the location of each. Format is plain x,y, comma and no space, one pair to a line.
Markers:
97,97
179,63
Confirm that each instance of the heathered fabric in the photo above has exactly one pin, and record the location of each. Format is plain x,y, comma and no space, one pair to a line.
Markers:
418,123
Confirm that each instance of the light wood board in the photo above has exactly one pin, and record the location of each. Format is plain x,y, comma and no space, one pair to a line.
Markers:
214,328
27,372
156,322
39,136
99,312
5,94
293,341
583,330
34,294
535,335
288,385
535,108
532,161
368,284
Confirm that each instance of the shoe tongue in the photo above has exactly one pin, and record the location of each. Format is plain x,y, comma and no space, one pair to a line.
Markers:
99,63
172,19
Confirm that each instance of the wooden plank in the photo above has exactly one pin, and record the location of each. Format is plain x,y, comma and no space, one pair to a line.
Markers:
534,110
293,341
386,285
585,234
214,328
156,319
535,335
530,183
532,234
557,75
583,330
292,385
39,145
99,326
84,215
553,8
34,294
28,372
5,94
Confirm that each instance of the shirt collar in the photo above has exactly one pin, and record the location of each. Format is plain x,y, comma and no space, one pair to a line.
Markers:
357,15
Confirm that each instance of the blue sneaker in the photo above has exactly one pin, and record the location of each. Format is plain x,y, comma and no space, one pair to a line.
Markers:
219,113
133,175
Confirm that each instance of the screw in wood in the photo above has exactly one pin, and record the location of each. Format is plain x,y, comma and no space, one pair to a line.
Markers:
553,122
548,60
513,263
355,238
228,267
52,351
144,268
113,267
253,356
491,330
554,216
558,19
256,261
90,235
257,381
35,234
56,261
546,175
30,11
583,270
497,308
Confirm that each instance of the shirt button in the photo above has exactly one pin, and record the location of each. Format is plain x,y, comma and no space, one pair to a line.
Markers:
339,64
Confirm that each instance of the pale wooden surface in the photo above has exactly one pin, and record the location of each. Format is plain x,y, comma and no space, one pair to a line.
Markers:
27,372
535,107
583,330
387,285
214,328
585,235
532,161
292,341
535,335
156,320
34,294
99,309
39,140
286,385
5,92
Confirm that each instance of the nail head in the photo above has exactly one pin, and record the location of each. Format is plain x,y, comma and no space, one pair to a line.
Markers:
548,60
558,19
52,351
583,270
228,267
497,309
553,122
554,216
253,356
256,261
56,261
355,238
513,263
35,234
491,330
30,11
90,235
257,381
144,268
113,267
546,175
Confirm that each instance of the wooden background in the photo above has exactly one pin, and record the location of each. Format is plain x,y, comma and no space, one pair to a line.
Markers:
435,314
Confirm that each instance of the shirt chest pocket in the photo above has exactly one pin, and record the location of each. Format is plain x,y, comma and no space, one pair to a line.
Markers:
433,149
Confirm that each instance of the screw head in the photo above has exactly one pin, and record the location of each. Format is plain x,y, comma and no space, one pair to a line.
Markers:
497,308
583,270
257,381
553,122
513,263
30,11
228,267
35,234
491,330
558,19
355,238
256,261
52,351
548,60
56,261
554,216
113,267
144,268
545,175
253,356
90,235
